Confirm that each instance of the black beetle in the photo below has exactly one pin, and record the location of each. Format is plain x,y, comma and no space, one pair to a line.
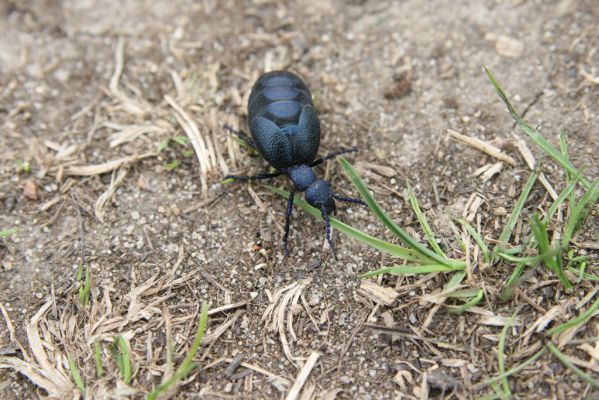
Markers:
286,132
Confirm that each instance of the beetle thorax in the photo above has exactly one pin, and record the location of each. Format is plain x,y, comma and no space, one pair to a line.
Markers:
302,176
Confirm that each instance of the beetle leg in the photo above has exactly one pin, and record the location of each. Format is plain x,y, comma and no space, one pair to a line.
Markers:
241,135
254,177
349,199
327,222
288,221
333,155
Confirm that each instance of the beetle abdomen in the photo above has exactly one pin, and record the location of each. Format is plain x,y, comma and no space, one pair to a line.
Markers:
282,120
279,96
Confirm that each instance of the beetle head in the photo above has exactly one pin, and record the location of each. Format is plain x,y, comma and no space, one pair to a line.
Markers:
320,195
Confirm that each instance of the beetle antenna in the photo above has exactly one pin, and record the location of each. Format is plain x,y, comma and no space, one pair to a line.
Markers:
349,199
333,155
327,222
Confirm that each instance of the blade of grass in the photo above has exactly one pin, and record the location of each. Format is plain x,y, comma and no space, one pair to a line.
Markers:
98,360
470,303
455,280
565,360
501,354
560,199
187,365
428,232
392,226
574,322
386,247
580,212
8,232
534,134
84,286
120,352
514,370
409,270
76,375
511,223
478,239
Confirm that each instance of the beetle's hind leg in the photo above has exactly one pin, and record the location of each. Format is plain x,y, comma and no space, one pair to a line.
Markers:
333,155
242,136
327,222
288,221
254,177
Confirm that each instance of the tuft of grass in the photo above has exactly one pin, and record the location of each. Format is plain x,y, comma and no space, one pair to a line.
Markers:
120,351
425,253
187,365
554,262
74,371
84,285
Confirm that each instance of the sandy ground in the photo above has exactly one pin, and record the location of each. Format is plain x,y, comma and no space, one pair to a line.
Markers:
89,90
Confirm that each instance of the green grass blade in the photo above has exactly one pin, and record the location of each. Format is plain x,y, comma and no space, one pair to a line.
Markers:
532,260
76,375
120,351
392,226
84,286
501,354
428,232
564,360
98,360
539,230
517,368
574,322
511,223
187,365
478,239
474,300
8,232
409,270
534,134
580,212
455,280
385,247
561,198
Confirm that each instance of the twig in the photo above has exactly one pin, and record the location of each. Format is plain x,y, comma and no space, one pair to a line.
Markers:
483,146
294,392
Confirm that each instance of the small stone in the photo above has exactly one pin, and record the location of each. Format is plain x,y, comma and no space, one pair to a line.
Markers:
30,190
509,47
135,215
499,211
161,209
253,295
